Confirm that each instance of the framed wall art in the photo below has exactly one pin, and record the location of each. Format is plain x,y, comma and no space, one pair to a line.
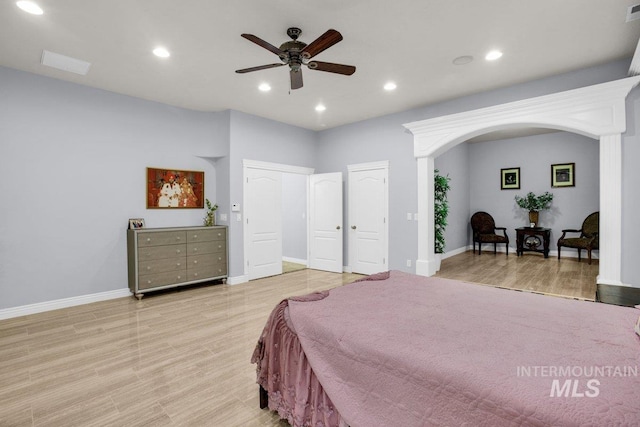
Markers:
174,189
563,175
510,179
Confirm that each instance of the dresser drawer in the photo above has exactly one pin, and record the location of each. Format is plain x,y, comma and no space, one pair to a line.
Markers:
214,246
162,265
161,279
206,260
161,238
217,270
206,235
161,252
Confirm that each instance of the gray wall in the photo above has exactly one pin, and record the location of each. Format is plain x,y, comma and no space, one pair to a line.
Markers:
534,155
384,138
256,138
455,164
73,161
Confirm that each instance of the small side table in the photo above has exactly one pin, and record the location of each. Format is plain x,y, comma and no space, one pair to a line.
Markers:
528,239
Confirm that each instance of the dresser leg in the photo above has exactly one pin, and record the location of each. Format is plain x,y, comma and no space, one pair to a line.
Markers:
139,296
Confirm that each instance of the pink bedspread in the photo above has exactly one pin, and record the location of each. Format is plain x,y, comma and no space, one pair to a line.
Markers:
415,351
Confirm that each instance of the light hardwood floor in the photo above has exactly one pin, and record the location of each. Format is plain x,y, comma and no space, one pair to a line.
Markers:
530,272
182,357
179,358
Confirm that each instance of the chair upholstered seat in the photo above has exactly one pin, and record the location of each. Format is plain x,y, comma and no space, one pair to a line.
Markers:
588,239
484,231
492,238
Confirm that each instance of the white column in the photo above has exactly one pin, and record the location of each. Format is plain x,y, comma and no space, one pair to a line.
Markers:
610,210
426,264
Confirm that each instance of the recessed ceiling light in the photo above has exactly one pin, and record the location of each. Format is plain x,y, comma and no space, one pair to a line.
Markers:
161,52
493,55
30,7
463,60
320,108
390,86
264,87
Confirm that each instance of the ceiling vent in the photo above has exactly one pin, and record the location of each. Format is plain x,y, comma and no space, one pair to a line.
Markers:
65,63
633,12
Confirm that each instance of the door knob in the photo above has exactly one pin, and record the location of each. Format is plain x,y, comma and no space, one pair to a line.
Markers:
337,227
353,227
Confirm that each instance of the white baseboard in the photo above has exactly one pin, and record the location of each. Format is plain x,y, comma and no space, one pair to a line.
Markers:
456,252
295,260
236,280
41,307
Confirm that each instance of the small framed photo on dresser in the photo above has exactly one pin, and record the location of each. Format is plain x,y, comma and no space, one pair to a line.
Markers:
135,223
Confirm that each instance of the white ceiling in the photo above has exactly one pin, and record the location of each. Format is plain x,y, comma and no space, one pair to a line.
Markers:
411,42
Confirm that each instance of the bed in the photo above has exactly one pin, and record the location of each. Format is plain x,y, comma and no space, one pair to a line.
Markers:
397,349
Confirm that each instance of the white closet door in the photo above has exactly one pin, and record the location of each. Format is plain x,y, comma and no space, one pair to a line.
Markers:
368,210
264,225
325,222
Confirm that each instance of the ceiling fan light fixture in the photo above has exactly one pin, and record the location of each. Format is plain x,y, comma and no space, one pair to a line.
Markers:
161,52
320,108
30,7
264,87
493,55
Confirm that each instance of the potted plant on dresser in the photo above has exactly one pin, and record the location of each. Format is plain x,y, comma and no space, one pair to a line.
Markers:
534,204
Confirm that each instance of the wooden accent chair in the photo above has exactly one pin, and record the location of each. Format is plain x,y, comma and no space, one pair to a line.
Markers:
484,231
588,236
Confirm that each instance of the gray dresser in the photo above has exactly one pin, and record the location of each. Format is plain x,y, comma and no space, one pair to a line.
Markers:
161,258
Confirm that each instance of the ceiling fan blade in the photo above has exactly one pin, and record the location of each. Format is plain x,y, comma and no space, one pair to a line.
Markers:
325,41
262,43
261,67
296,79
331,67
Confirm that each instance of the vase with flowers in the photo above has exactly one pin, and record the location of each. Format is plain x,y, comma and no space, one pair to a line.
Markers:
534,204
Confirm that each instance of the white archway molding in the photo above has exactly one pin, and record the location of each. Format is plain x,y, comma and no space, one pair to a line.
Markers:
595,111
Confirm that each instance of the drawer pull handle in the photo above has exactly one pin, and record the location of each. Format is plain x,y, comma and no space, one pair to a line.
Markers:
148,239
149,282
219,234
219,246
219,258
195,274
177,251
195,261
178,264
195,236
179,277
195,249
148,268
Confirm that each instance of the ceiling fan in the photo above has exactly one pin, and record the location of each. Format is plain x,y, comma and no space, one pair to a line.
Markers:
295,54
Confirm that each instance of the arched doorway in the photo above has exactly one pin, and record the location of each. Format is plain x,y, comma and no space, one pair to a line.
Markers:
595,111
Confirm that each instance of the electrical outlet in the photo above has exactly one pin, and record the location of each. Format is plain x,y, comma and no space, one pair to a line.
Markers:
408,263
223,217
409,216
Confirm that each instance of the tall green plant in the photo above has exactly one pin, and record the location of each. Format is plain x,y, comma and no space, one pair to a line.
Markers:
440,209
